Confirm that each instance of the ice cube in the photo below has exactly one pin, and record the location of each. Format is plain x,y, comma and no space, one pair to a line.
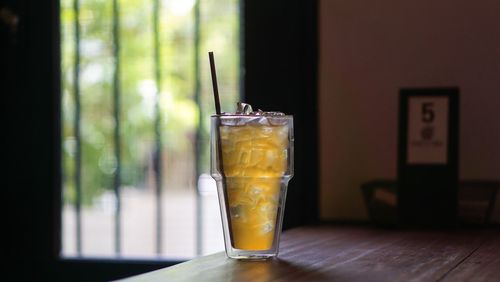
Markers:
244,158
236,211
258,120
267,227
243,108
270,159
255,191
265,131
257,155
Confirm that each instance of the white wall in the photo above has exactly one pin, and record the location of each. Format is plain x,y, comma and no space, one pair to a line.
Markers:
368,50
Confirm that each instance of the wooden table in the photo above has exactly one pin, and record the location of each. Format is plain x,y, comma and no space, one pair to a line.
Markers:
342,253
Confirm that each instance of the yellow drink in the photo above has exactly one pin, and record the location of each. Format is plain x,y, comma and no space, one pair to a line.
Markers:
254,161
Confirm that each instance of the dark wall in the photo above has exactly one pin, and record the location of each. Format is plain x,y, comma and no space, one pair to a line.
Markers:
30,89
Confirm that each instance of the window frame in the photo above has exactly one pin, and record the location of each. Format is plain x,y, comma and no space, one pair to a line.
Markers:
279,55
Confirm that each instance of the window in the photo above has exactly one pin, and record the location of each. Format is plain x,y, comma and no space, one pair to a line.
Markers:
136,101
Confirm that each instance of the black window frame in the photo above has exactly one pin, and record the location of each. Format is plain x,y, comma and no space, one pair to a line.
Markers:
279,55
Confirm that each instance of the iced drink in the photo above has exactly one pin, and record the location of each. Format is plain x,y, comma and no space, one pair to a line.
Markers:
252,179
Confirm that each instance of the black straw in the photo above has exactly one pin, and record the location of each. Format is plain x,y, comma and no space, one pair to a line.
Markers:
219,149
214,82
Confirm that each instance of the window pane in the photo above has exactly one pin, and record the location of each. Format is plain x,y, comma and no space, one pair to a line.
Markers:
136,104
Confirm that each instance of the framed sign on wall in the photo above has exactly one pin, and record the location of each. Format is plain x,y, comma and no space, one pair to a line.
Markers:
428,156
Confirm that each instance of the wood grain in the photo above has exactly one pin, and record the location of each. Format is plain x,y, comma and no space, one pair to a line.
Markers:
329,253
482,265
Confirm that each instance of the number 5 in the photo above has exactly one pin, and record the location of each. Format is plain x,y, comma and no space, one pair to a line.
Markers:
427,112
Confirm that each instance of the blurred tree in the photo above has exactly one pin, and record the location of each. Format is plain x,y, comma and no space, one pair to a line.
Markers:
219,31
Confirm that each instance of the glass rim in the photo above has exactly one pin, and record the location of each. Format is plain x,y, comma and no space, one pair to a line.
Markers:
249,116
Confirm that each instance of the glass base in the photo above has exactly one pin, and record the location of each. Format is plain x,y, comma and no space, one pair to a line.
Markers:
250,255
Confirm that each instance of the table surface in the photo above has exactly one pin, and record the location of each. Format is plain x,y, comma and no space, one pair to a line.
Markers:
344,253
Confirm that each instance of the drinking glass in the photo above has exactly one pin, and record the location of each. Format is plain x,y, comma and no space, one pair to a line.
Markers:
252,163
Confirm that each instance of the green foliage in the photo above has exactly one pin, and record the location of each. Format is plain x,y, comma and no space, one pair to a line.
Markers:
219,31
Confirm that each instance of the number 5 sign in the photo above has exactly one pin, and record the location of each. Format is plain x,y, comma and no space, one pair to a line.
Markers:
428,156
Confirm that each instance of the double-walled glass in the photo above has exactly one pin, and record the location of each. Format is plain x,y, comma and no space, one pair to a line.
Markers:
252,163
